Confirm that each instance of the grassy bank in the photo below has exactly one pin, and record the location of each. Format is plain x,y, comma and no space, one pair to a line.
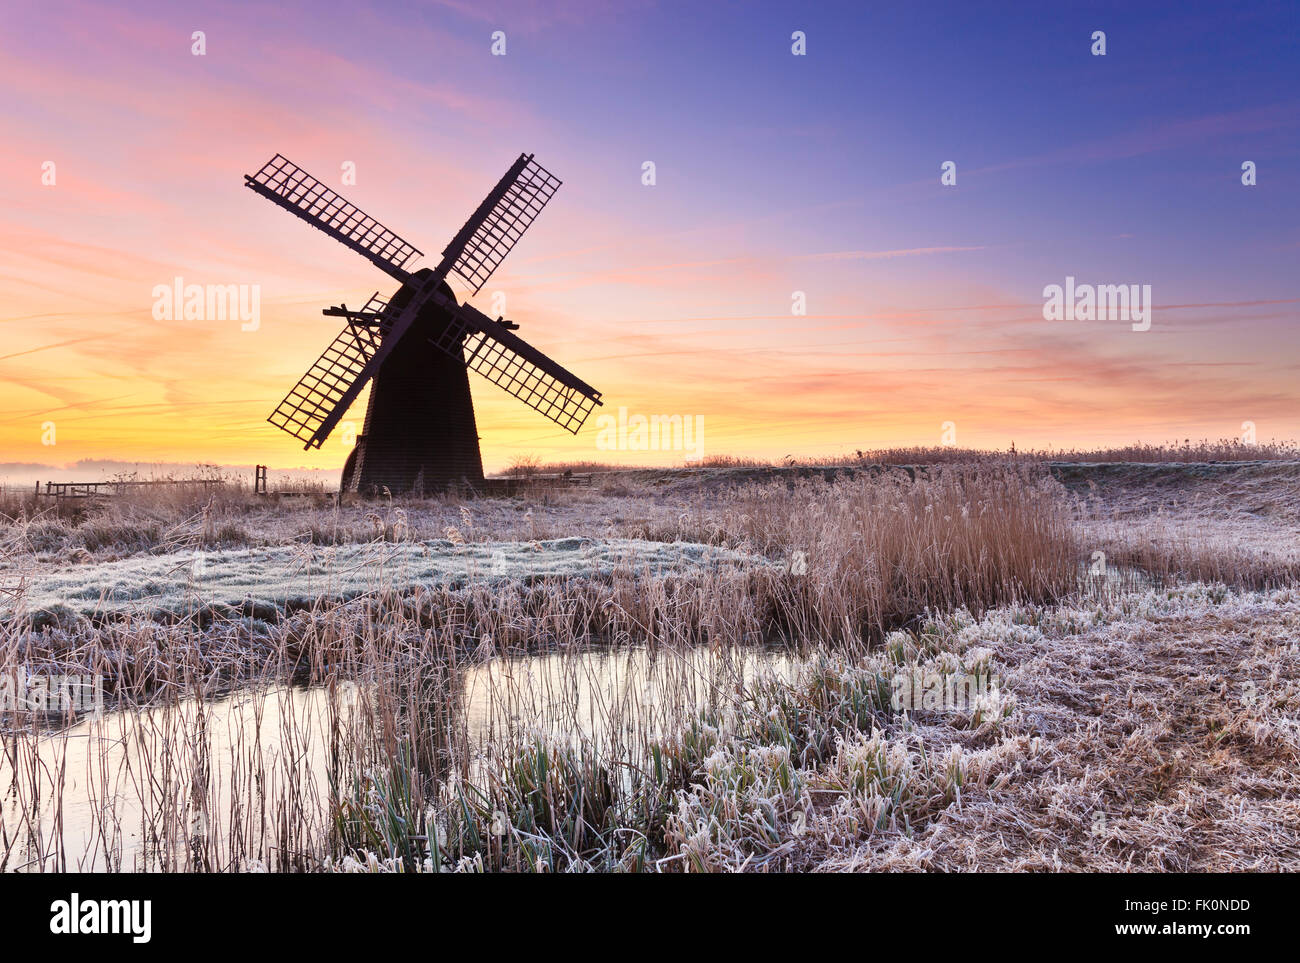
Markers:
761,728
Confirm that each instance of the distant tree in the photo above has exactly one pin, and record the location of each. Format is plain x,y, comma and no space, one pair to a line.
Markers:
524,467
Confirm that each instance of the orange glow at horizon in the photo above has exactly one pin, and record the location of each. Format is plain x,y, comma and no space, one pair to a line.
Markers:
671,300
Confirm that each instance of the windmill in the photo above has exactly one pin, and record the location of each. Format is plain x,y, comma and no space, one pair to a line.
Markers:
418,346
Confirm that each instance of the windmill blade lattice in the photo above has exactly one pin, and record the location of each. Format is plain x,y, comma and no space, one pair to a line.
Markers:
514,365
309,404
500,221
284,183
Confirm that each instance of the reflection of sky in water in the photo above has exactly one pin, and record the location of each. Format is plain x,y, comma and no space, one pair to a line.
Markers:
118,758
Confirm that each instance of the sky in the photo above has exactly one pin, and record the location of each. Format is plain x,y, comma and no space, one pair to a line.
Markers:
779,178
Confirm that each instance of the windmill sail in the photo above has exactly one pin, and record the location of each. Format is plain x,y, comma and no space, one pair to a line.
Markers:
307,408
292,188
513,364
500,221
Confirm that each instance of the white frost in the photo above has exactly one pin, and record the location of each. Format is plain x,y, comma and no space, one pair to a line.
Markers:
181,581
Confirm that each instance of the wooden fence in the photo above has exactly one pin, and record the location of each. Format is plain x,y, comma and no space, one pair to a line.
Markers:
61,490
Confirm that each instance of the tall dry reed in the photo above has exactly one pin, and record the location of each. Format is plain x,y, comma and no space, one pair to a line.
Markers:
389,756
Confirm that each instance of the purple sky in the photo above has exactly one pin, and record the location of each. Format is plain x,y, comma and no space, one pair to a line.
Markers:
775,174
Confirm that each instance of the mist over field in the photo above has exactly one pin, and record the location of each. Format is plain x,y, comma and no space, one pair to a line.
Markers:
27,474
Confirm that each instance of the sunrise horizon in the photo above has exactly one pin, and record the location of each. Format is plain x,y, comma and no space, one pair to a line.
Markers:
799,273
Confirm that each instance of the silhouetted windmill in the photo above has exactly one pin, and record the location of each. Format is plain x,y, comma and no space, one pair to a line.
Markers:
417,345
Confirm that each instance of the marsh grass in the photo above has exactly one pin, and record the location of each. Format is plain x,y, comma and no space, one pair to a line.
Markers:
1185,452
494,727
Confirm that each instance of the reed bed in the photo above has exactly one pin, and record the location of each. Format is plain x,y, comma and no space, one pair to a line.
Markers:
716,760
1173,550
1203,450
733,719
1236,525
879,550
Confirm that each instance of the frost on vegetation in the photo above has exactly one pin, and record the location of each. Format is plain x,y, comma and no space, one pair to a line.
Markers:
299,574
814,766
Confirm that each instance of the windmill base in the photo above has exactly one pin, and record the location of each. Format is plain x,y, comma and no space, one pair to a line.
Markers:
420,434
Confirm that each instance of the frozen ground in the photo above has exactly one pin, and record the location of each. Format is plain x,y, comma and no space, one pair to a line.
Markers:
177,582
1156,732
1149,729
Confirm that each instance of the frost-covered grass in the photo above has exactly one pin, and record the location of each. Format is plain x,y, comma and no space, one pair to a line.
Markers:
1152,729
267,580
1237,524
1158,731
1243,552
